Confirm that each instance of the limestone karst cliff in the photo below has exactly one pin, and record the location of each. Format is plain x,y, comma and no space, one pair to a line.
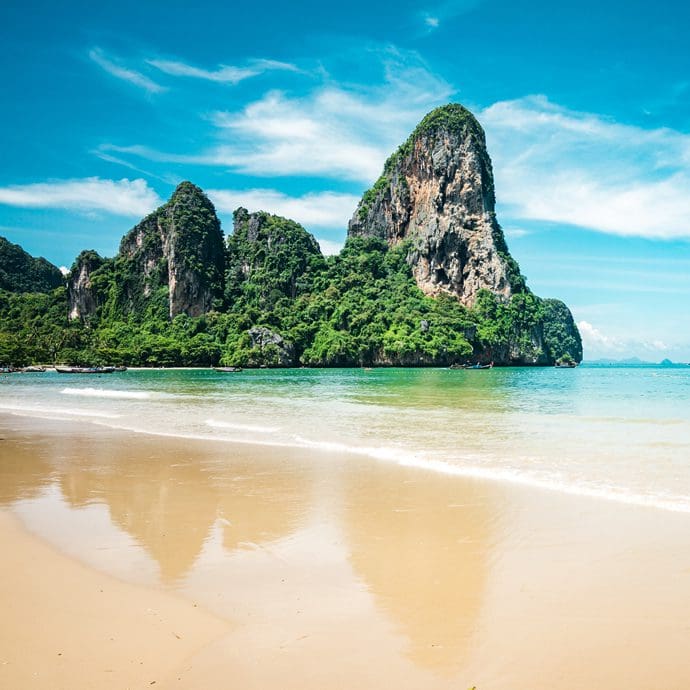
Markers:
424,279
278,248
436,197
83,296
437,191
179,246
176,253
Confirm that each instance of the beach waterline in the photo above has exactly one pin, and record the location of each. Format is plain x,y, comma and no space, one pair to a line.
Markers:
616,433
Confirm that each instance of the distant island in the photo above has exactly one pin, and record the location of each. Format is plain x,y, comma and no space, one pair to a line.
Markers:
425,279
635,361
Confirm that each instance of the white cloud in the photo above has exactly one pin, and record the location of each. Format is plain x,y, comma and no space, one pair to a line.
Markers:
224,73
596,345
513,232
334,131
317,210
594,339
119,197
124,73
168,179
329,247
446,10
562,166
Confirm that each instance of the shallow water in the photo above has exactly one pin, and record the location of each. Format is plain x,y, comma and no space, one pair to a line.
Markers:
620,433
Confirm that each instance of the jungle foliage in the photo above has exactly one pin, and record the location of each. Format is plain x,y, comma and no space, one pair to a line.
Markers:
359,308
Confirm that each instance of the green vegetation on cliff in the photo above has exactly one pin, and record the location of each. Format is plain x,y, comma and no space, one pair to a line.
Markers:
452,118
286,305
178,293
175,253
21,272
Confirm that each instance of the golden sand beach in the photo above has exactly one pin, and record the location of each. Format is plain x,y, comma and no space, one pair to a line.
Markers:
135,561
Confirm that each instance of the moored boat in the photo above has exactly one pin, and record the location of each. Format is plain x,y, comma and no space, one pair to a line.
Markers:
84,370
472,366
565,362
227,370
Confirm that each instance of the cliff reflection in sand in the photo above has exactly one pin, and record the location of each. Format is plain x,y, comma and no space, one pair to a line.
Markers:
423,548
168,497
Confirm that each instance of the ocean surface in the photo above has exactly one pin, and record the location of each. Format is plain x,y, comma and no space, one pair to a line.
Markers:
616,432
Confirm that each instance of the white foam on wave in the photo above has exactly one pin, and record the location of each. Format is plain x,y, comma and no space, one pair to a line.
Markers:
39,411
405,458
107,393
388,454
235,426
397,455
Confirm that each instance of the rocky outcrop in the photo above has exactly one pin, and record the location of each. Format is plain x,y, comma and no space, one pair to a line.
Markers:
178,248
436,197
270,348
21,272
561,335
437,192
270,252
83,298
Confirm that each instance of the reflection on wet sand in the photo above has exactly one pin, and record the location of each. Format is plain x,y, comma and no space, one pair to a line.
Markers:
258,507
422,549
369,575
166,503
167,496
24,474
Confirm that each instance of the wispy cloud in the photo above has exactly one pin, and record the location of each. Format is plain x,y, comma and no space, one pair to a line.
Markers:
318,210
227,74
168,179
115,69
557,165
119,197
337,131
594,339
437,13
513,232
597,344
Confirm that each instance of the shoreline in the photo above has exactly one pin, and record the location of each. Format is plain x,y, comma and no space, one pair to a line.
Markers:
326,570
380,455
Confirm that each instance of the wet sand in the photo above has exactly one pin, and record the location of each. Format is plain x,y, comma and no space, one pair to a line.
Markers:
130,559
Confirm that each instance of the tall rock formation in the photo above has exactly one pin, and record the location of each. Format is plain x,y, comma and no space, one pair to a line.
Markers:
84,298
175,256
179,248
270,252
436,194
437,191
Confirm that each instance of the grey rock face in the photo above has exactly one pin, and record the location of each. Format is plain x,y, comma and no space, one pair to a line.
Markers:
82,297
437,191
179,246
272,346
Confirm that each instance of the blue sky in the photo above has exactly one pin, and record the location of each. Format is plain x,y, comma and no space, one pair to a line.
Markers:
293,107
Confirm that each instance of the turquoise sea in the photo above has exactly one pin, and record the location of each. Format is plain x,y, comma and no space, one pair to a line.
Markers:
617,432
